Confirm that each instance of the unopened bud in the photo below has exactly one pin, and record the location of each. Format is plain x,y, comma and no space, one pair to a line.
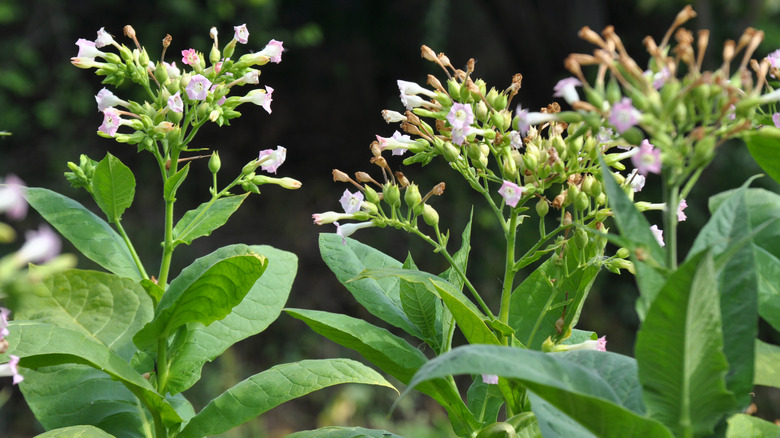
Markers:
339,176
371,195
430,216
542,207
392,195
582,202
412,195
451,153
214,162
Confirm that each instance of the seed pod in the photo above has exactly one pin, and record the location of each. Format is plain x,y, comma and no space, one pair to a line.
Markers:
542,207
392,195
430,215
412,195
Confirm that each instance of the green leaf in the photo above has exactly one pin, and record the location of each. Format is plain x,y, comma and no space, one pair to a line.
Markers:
484,399
424,310
206,218
745,426
389,353
259,308
461,257
650,276
113,187
43,345
88,233
71,395
174,181
273,387
472,321
204,299
380,297
76,432
343,432
679,350
106,308
738,282
764,146
767,357
538,302
554,423
589,398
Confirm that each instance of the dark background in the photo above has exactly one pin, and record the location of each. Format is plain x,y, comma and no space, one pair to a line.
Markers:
338,72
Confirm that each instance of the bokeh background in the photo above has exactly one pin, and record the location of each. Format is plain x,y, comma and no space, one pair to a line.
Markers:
338,72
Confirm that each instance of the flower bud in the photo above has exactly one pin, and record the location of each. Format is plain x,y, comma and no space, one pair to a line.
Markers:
371,195
623,253
613,91
392,195
214,162
594,97
581,238
542,207
412,195
582,202
430,215
451,153
481,112
508,167
474,151
572,193
250,187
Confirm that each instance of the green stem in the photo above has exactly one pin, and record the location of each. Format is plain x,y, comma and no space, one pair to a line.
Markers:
165,264
672,200
162,364
130,246
509,271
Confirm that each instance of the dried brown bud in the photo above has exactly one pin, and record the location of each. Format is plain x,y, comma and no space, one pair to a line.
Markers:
339,176
381,162
703,38
591,36
3,345
412,118
376,150
129,31
402,180
438,189
470,65
364,177
582,105
444,60
167,41
567,219
428,54
410,129
441,125
651,46
434,82
557,203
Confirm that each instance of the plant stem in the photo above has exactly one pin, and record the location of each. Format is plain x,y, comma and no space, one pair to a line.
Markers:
671,195
509,271
130,246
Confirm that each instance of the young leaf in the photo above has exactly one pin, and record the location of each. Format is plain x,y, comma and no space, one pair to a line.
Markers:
259,308
589,398
632,223
174,181
205,299
76,432
424,310
88,233
380,297
42,345
273,387
103,307
767,358
746,426
113,187
206,218
765,149
679,350
343,432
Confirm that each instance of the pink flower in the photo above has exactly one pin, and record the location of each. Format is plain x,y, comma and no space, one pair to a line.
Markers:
774,60
636,181
242,33
565,89
490,379
4,314
173,71
190,57
329,217
624,115
648,159
398,143
393,116
351,202
10,369
347,230
272,159
12,200
260,98
776,119
682,206
87,49
111,122
273,50
40,246
515,140
103,38
511,193
658,234
599,344
461,116
659,78
198,88
105,98
175,103
459,134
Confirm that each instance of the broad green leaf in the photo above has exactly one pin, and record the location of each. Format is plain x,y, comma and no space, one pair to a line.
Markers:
649,274
70,395
380,297
538,302
343,432
76,432
737,284
91,235
259,308
206,218
484,399
273,387
554,423
745,426
461,257
587,397
679,350
208,298
106,308
113,187
389,353
424,310
472,321
764,146
43,345
767,372
174,181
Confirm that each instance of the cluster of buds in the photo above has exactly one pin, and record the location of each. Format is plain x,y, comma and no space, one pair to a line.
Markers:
182,99
510,157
